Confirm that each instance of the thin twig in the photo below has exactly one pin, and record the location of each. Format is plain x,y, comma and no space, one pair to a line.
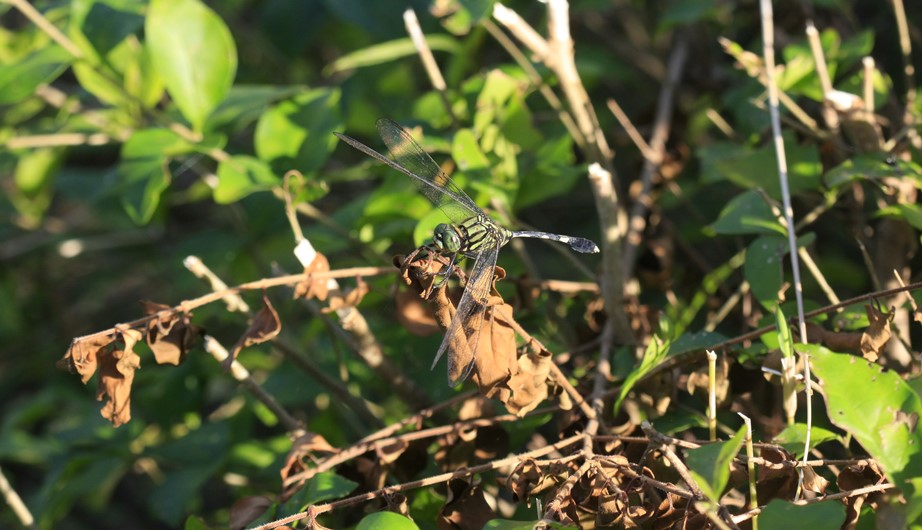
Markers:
242,375
14,501
653,162
768,39
313,511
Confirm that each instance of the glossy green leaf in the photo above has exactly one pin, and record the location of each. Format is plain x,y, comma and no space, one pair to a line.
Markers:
792,438
102,82
747,213
19,80
883,416
240,176
144,170
390,51
298,133
386,521
710,464
194,53
783,515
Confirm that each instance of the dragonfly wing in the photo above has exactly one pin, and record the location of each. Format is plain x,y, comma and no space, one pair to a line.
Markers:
466,325
428,176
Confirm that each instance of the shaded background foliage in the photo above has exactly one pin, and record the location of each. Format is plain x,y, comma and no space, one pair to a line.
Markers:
76,259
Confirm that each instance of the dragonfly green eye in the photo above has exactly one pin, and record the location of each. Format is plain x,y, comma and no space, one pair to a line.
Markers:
445,237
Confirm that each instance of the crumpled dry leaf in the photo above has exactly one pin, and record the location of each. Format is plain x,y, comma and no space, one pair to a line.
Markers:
415,316
116,373
352,298
309,447
465,508
869,343
82,356
878,333
314,288
170,335
265,326
813,482
776,483
247,510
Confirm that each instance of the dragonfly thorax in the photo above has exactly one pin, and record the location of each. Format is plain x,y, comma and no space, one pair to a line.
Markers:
446,238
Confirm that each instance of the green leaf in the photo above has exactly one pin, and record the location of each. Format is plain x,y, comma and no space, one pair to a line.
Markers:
194,53
466,152
240,176
758,168
244,104
298,133
911,213
882,416
785,342
872,166
694,341
19,80
710,464
655,353
554,173
390,51
386,521
34,179
99,26
144,170
783,515
763,267
747,213
792,438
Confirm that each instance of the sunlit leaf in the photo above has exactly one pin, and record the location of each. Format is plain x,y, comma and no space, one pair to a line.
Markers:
390,51
710,464
747,213
298,133
386,521
19,79
194,53
240,176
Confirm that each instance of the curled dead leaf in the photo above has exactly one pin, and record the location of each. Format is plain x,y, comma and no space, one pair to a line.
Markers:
415,316
247,510
314,287
170,334
465,508
82,356
264,326
877,335
116,374
352,298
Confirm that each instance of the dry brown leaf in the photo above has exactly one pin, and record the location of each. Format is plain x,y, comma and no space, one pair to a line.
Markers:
392,450
877,335
247,510
465,508
415,316
813,482
265,326
116,373
776,483
82,356
314,288
170,334
351,299
308,446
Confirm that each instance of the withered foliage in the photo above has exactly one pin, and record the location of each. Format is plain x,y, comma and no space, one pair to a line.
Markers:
264,326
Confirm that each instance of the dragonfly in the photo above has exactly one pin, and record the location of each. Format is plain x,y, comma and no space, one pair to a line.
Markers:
471,234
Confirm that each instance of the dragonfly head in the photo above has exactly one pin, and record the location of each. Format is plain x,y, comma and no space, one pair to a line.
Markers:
446,237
